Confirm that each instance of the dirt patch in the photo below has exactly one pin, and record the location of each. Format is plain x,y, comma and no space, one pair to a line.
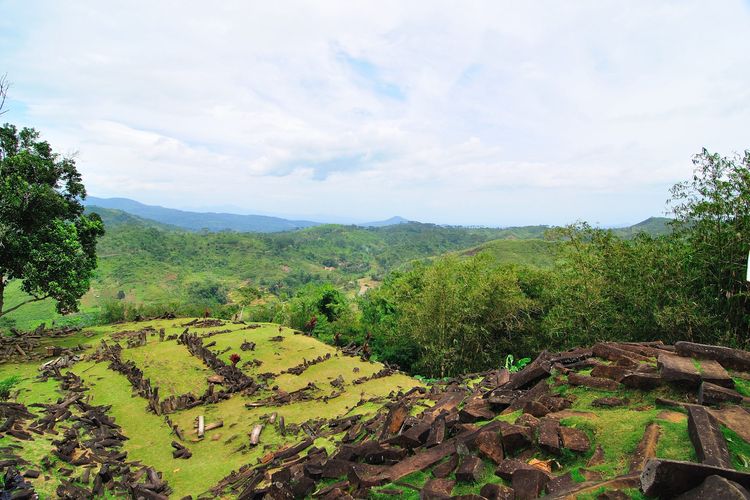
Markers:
672,416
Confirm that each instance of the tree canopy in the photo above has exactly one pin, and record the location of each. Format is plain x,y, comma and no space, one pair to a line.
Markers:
46,241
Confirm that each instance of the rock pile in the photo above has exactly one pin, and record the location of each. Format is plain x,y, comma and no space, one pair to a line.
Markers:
89,448
458,435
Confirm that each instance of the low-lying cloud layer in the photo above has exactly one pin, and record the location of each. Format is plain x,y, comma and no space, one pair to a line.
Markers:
476,113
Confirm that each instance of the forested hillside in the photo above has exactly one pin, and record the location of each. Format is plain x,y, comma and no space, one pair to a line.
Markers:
148,266
145,263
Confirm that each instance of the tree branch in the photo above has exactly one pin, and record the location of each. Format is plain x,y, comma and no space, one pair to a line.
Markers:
33,299
4,85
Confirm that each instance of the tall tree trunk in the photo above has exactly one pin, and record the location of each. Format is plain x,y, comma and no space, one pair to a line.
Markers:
2,292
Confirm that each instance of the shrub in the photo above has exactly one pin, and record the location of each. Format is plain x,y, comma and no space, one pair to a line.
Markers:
6,385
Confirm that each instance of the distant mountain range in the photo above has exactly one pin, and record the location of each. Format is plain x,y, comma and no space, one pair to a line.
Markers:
212,221
117,211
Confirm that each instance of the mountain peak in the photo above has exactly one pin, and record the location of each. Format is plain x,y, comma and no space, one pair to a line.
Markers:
396,219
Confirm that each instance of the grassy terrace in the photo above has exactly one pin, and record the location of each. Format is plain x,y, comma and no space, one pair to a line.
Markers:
275,356
171,367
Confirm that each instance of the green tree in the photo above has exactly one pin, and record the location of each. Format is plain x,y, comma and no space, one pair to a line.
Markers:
712,213
328,305
382,309
607,288
46,241
468,314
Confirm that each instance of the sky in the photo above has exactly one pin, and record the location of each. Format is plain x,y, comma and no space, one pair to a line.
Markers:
479,113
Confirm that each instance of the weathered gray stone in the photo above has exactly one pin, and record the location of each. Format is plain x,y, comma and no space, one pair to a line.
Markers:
669,478
716,488
709,443
712,394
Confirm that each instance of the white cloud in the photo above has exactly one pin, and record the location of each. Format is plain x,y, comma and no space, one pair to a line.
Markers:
491,112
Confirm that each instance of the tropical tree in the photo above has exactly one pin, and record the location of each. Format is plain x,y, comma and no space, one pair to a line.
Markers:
46,240
712,213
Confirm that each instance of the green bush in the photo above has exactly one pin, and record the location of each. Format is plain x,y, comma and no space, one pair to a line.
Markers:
6,385
112,311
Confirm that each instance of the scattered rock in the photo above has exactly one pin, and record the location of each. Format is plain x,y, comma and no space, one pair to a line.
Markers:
444,469
716,488
609,402
515,437
535,409
646,448
669,478
529,483
549,439
640,380
470,470
490,445
593,382
709,443
574,439
438,488
678,369
492,491
728,357
712,394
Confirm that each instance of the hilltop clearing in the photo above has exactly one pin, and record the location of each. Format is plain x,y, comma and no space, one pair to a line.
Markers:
163,408
159,383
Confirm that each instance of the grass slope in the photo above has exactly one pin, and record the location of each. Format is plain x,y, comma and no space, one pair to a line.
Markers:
175,371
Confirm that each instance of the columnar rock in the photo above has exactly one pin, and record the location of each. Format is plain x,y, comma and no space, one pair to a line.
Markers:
709,443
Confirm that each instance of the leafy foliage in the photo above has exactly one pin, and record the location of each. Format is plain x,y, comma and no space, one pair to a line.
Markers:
688,284
6,385
46,241
713,219
455,316
515,366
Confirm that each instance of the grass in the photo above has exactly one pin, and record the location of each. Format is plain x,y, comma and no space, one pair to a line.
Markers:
697,365
149,436
30,390
275,356
742,386
175,371
323,373
619,430
674,443
739,449
170,367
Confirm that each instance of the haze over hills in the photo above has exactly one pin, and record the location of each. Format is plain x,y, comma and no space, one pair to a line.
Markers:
196,221
244,223
215,221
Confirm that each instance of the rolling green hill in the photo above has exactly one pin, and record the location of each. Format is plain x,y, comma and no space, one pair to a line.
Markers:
533,252
147,262
655,226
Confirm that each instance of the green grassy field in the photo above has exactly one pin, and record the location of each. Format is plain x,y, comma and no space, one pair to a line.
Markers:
171,367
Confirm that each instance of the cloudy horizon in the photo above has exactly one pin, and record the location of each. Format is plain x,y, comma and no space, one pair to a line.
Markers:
491,113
